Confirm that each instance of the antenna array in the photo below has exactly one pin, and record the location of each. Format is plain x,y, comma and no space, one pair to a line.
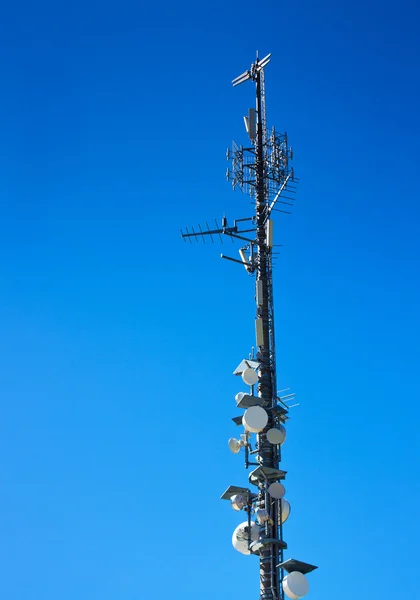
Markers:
262,170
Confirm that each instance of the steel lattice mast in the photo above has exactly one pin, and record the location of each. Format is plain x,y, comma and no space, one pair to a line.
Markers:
263,171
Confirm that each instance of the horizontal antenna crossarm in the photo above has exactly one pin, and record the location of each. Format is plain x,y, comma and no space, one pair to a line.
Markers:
240,237
240,262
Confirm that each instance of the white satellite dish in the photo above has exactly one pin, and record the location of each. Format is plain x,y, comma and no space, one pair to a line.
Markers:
255,419
234,445
242,535
276,435
295,585
238,502
285,510
276,490
250,376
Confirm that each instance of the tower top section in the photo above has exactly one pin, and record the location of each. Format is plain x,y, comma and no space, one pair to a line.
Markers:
255,69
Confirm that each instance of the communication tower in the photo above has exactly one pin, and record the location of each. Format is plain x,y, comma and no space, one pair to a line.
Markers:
261,169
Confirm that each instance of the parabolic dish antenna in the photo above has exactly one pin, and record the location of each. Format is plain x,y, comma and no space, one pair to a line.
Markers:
285,510
234,445
249,376
276,490
255,419
295,585
241,536
276,435
238,501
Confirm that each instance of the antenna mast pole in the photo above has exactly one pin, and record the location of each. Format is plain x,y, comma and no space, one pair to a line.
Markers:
263,171
269,554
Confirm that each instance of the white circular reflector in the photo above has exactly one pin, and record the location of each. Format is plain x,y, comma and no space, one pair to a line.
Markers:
250,376
285,510
255,419
276,490
295,585
234,445
276,435
241,536
238,501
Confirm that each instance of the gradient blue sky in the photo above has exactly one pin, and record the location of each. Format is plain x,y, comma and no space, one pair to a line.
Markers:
118,340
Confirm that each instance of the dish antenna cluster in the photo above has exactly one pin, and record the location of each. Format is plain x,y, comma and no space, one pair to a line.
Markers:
262,170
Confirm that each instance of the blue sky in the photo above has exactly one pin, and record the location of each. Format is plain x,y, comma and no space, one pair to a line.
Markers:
118,340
